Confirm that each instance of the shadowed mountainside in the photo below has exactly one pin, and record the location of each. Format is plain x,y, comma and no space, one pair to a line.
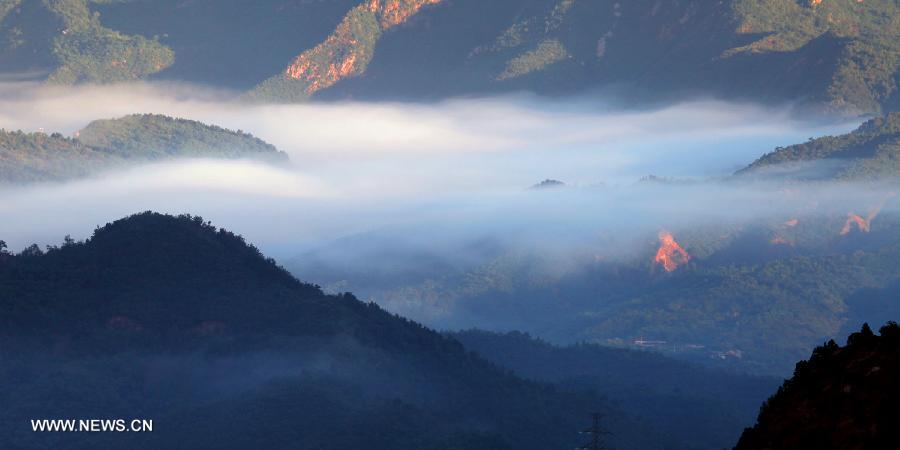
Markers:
171,319
841,398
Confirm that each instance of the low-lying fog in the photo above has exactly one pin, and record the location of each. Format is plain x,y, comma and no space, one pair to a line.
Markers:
440,175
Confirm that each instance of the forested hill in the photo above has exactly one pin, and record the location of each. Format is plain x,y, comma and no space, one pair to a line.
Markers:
841,398
836,55
103,144
872,151
171,319
704,407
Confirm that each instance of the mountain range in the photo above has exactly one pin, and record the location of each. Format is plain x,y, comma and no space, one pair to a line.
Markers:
831,55
172,319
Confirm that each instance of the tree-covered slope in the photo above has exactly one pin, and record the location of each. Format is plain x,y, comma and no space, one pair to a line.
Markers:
704,407
170,319
841,398
104,144
839,56
753,297
68,40
834,55
872,151
154,136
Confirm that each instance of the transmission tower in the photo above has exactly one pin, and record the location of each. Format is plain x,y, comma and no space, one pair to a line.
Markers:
596,432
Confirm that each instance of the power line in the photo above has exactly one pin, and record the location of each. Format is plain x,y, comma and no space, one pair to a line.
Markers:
597,432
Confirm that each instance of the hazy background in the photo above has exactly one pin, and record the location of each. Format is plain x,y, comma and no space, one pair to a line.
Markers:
453,170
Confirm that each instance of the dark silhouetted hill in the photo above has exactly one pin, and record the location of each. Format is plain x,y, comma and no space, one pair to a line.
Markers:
841,398
170,319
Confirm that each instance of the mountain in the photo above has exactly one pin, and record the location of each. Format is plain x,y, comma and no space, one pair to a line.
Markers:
703,407
27,157
65,39
172,320
872,151
841,398
751,297
832,55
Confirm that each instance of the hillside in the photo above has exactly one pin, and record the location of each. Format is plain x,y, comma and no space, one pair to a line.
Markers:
832,55
105,144
753,297
704,407
870,152
67,40
841,398
171,319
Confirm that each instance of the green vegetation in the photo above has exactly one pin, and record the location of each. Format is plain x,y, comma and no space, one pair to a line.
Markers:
834,56
89,52
548,52
345,53
153,136
743,301
27,157
6,6
842,397
104,144
869,32
872,151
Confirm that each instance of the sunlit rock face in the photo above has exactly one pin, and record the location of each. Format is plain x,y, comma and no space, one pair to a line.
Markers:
670,254
348,50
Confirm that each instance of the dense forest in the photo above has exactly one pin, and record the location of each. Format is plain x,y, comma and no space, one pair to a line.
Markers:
754,297
840,398
870,152
105,144
704,407
836,56
172,319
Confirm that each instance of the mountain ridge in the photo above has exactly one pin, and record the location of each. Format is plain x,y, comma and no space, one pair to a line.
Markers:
833,56
137,138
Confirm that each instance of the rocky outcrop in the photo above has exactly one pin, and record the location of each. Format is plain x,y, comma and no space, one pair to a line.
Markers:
345,53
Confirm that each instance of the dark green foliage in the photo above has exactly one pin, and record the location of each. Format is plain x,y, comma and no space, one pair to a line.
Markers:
153,136
103,144
171,319
842,397
66,39
872,151
27,157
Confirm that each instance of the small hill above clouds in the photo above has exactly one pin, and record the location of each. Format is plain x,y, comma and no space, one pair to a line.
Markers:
841,398
154,136
105,144
870,152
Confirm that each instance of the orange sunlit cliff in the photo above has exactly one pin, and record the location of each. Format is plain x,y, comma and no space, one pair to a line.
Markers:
863,224
347,51
670,254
